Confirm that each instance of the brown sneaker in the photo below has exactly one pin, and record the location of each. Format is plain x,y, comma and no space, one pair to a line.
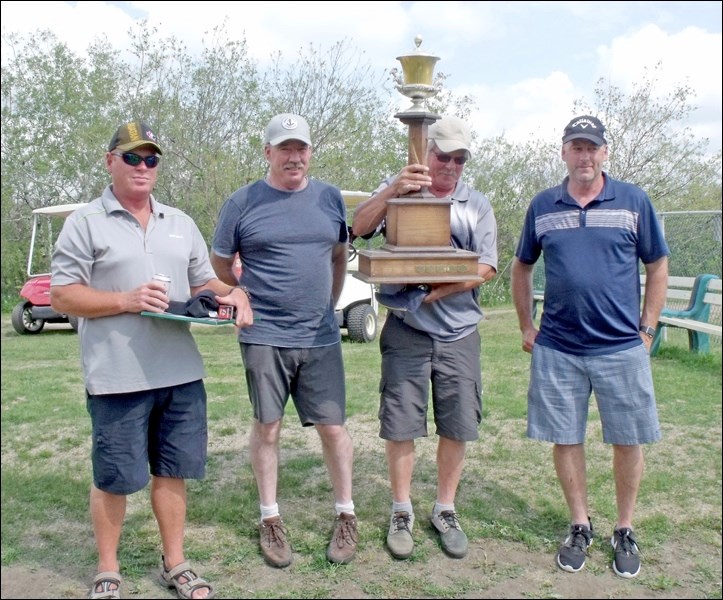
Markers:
342,547
274,545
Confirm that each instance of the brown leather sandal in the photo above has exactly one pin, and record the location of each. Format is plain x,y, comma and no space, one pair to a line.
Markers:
105,581
172,579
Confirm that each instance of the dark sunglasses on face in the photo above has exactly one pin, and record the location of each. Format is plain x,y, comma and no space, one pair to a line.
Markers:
445,158
133,159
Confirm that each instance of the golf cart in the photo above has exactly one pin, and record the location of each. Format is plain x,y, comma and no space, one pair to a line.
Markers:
32,313
357,308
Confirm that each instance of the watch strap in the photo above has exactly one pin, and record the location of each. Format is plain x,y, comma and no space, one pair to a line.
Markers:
647,330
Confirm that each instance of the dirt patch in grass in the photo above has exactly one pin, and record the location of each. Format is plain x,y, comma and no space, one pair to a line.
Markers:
491,570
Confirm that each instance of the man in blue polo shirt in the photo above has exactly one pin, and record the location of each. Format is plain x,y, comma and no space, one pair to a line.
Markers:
593,232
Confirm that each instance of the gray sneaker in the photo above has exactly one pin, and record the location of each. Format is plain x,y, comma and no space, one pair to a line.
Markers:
274,545
454,540
399,539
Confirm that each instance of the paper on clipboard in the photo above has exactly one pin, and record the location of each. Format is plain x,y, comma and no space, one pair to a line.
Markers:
186,319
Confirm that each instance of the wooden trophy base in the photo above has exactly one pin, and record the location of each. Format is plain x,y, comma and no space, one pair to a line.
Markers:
418,224
448,266
417,248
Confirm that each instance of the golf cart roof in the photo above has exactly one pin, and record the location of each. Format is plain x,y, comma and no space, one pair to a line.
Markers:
351,199
58,210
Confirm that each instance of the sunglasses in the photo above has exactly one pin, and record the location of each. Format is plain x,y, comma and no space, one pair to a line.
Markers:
133,159
445,158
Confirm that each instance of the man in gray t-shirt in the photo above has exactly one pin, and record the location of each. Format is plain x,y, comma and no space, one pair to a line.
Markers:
290,233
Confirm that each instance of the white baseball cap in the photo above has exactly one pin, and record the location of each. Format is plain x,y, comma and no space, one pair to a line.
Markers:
287,127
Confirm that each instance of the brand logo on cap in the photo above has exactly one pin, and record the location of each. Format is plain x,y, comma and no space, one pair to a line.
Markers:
583,123
150,135
289,123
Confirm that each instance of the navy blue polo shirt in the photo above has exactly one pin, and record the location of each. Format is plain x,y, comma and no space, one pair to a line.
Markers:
592,265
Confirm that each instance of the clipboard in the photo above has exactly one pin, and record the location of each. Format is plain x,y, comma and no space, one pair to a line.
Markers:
187,319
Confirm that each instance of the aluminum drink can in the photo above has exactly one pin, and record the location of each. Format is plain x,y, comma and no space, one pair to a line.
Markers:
164,279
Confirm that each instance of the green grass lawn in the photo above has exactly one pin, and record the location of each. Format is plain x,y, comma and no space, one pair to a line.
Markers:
509,497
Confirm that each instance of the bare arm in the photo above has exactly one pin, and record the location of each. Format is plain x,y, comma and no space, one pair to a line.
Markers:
521,287
226,277
486,272
656,287
371,212
338,264
224,268
83,301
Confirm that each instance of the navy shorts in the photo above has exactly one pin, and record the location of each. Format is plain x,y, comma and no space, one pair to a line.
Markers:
313,377
561,385
164,429
410,360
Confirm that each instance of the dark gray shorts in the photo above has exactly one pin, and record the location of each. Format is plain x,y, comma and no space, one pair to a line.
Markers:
165,429
410,360
559,396
313,377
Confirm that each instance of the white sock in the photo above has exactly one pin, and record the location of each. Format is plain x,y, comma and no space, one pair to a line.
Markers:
402,507
438,508
269,511
347,508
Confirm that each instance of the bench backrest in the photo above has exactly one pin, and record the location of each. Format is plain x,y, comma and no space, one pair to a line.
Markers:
690,297
678,294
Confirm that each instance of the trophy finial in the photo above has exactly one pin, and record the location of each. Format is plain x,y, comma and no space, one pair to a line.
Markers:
418,41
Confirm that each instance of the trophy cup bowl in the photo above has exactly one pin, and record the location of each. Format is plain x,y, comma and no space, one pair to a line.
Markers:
418,69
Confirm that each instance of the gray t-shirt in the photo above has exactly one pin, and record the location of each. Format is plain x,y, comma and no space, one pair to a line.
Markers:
285,240
104,247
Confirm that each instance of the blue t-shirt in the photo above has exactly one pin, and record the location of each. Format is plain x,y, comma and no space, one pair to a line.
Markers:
285,240
591,254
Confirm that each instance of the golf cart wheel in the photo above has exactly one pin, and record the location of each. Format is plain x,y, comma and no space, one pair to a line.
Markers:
361,323
22,319
73,320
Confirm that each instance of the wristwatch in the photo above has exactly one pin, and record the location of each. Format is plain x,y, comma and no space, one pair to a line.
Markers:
647,330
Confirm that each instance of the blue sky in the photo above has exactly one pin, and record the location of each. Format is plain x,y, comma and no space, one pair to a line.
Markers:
524,63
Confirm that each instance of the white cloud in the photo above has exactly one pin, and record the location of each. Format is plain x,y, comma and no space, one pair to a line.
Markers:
518,59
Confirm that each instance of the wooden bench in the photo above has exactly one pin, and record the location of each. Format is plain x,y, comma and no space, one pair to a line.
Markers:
701,316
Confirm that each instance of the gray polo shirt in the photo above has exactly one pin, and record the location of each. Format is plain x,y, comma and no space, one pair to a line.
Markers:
104,247
474,228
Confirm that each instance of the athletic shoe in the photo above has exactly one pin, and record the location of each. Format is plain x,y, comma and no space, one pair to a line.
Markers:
573,552
626,562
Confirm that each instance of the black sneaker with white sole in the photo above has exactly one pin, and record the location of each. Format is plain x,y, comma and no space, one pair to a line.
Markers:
626,561
573,552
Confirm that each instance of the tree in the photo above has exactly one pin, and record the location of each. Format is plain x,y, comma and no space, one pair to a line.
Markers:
59,110
651,147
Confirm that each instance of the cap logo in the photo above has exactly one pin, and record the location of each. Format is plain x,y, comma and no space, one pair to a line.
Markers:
583,123
150,135
289,123
133,134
